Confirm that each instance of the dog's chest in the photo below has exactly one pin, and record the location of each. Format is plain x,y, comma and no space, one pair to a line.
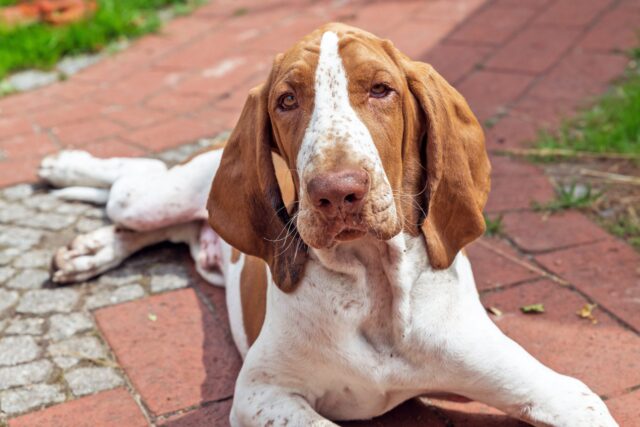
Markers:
355,331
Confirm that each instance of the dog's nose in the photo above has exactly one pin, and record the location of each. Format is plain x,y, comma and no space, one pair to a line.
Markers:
342,191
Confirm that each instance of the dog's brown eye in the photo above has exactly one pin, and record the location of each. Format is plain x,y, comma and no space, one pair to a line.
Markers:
287,102
380,90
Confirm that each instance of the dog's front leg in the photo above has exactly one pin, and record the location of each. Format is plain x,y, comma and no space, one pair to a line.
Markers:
266,405
495,370
268,399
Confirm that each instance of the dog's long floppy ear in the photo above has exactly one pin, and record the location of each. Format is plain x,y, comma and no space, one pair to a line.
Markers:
245,204
456,163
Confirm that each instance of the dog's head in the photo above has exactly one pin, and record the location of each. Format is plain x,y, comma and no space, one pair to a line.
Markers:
375,144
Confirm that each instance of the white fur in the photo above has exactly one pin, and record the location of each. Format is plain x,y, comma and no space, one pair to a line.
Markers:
334,122
153,203
370,325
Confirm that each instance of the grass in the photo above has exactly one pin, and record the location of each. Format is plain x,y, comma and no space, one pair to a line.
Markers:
628,228
493,225
42,46
612,125
569,197
611,130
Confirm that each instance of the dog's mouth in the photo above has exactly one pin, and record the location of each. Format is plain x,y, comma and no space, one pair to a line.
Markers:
349,234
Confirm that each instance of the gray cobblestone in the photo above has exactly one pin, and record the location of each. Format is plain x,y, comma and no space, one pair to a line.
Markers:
95,213
28,373
85,225
28,279
168,277
14,212
78,347
63,326
8,255
18,237
7,300
48,300
66,362
18,349
39,258
74,209
84,381
26,326
115,296
17,192
31,79
48,221
120,277
71,65
6,273
31,397
44,202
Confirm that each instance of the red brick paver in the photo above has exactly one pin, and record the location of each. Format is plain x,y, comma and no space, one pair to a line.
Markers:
603,355
107,409
522,64
175,351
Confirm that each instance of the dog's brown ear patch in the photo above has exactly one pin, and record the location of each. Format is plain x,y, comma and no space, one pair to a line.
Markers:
245,203
456,164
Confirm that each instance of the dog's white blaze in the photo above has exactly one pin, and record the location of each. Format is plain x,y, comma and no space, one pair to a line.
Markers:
333,120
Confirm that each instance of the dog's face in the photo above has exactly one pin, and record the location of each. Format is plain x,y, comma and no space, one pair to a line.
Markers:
338,124
375,144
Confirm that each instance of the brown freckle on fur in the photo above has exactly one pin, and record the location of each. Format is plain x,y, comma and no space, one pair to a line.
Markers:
268,423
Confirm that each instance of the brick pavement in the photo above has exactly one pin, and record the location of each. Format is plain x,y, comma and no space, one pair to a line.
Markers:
114,349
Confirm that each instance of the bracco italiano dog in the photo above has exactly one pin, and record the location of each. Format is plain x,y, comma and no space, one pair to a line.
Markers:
339,206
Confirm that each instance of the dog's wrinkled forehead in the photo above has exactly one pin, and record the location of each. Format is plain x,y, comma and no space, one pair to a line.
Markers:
334,124
321,71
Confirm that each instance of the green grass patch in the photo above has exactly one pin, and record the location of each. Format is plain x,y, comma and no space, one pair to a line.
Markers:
493,225
41,45
569,197
627,228
612,125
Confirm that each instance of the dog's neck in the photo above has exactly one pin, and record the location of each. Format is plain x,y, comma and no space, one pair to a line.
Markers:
385,271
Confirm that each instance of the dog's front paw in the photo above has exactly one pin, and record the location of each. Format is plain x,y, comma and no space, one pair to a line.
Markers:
570,404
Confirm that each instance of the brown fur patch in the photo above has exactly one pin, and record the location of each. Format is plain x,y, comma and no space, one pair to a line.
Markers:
253,296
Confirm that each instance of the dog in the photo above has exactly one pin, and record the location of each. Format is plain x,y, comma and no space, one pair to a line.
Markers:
338,208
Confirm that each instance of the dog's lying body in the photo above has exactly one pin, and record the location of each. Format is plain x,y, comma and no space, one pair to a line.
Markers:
365,299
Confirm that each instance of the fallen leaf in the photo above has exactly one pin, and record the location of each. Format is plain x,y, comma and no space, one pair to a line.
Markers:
152,317
495,311
586,312
532,308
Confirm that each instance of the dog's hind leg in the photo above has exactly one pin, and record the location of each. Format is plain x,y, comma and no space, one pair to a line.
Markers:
98,196
91,254
206,251
72,168
149,201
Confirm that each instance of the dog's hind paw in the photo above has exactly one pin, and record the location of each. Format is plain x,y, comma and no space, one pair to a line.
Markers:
88,255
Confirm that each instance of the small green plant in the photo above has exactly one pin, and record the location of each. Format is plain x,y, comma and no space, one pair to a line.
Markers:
569,197
493,226
241,11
